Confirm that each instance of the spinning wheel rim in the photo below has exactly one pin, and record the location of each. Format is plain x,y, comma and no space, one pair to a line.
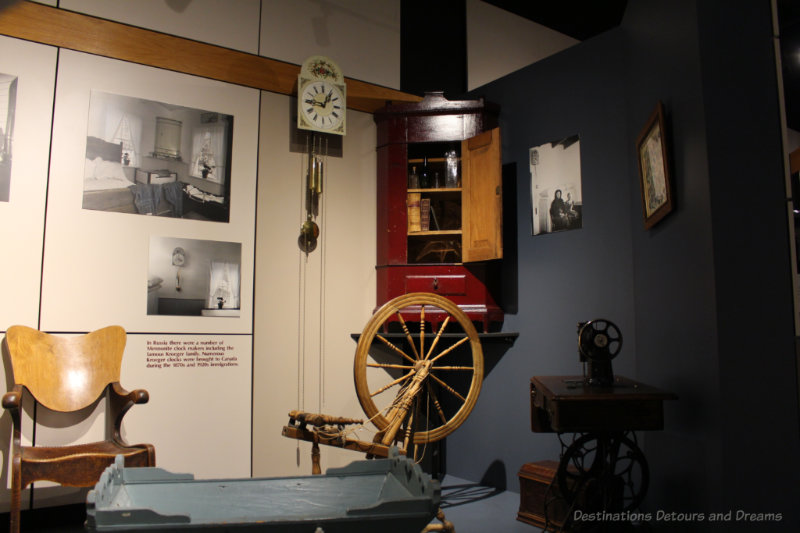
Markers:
368,335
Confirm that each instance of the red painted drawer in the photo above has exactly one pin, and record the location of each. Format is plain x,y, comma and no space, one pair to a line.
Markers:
452,285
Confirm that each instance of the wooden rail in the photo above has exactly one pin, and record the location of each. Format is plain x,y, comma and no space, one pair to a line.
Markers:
74,31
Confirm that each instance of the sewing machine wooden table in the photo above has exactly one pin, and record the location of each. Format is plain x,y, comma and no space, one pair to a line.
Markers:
602,468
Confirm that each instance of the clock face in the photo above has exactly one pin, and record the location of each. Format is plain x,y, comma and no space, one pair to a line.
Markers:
322,105
178,257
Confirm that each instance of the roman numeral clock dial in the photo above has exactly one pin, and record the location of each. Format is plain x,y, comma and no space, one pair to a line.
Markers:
323,105
321,96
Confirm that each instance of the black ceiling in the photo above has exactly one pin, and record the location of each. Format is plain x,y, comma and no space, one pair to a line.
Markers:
583,19
580,19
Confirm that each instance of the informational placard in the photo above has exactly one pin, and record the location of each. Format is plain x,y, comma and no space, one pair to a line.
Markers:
198,417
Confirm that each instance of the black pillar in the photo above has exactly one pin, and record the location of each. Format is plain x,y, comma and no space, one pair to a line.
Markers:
433,46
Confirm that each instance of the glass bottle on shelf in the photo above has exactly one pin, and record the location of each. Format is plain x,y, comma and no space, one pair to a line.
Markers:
451,169
413,179
425,177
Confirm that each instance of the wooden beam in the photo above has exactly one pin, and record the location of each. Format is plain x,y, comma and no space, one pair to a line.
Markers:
74,31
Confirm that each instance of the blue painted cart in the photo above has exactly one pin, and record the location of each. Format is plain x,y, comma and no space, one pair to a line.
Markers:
389,495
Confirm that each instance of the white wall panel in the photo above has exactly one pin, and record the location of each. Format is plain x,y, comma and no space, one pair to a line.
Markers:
33,67
96,263
499,42
229,23
361,36
307,307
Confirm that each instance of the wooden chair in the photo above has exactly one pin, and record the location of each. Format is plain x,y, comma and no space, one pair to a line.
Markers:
67,374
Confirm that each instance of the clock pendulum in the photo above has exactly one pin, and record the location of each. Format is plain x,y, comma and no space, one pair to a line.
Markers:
317,149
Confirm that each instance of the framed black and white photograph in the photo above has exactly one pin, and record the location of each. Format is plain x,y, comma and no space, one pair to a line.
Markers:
556,199
651,150
192,277
8,106
152,158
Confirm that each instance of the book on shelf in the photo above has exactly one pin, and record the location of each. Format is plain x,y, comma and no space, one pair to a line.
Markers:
413,208
425,214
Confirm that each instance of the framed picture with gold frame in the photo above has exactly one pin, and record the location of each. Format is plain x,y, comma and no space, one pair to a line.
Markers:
654,173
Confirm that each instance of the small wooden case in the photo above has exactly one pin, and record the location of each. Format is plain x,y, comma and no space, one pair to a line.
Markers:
535,480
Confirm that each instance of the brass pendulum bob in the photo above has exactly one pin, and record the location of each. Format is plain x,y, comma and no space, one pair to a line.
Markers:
309,230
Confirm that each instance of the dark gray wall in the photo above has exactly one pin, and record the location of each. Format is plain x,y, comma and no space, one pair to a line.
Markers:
563,277
703,299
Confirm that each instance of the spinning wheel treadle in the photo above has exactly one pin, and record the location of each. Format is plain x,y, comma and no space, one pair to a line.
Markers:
424,382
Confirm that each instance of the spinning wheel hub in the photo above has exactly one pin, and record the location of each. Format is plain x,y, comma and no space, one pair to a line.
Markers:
421,365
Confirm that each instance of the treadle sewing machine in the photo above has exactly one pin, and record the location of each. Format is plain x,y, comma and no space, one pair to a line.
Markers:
602,468
417,382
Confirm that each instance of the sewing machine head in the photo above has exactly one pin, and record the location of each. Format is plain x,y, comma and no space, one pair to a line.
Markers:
599,341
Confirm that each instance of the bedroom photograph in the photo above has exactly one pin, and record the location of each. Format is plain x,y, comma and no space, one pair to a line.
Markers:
152,158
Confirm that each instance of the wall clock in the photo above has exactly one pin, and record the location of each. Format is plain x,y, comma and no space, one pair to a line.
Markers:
321,96
178,257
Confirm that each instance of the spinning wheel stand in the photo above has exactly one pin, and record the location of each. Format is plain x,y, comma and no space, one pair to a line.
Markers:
416,382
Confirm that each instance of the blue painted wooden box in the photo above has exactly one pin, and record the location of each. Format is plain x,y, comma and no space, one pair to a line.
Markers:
390,495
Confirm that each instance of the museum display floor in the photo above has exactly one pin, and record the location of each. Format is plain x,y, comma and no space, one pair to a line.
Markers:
471,507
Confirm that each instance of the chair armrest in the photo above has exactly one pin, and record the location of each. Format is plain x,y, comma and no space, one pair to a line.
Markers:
13,398
120,400
136,396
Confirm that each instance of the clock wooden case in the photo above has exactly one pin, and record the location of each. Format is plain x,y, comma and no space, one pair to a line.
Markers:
455,254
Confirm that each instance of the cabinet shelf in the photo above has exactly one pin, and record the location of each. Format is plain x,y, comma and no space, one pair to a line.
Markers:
434,232
436,190
420,160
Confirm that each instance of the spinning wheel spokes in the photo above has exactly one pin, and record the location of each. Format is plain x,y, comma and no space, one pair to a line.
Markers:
398,350
430,399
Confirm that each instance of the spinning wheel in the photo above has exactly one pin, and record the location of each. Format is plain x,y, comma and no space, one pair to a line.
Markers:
416,385
603,472
426,380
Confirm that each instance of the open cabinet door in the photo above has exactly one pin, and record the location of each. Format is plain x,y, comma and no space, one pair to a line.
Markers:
482,197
